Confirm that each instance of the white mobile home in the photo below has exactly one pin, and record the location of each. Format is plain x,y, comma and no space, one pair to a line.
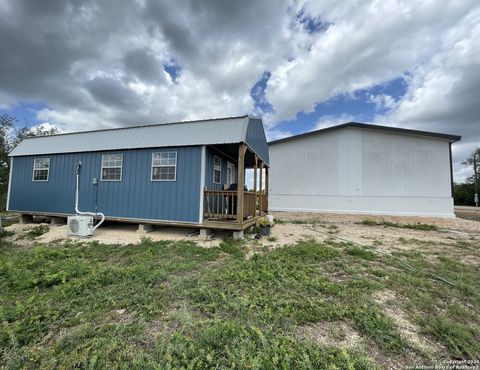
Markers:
363,168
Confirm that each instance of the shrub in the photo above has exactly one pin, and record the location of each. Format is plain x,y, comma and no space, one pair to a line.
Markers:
35,232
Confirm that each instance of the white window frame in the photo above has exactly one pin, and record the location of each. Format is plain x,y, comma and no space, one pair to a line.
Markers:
216,168
41,168
164,165
121,167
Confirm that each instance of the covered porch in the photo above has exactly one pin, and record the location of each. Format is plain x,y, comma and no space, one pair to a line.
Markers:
238,207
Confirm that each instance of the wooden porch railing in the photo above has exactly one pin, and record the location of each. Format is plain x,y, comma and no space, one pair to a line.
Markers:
249,204
222,204
264,204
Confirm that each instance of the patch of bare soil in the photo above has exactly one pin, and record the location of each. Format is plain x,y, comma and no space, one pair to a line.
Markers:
465,247
444,223
115,233
281,234
337,333
342,335
177,318
122,316
17,229
468,213
388,302
56,334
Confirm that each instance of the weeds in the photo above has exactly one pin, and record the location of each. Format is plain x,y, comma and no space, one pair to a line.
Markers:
360,252
6,233
333,229
232,247
405,241
35,232
235,312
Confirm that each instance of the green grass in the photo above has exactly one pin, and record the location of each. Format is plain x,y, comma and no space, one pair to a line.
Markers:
6,233
415,226
34,232
232,247
177,305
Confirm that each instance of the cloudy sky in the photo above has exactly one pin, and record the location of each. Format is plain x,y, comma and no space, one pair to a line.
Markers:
301,65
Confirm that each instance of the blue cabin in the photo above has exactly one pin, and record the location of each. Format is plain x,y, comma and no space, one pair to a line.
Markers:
185,173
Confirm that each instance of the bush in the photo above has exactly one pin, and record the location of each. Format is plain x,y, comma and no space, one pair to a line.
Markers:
35,232
463,194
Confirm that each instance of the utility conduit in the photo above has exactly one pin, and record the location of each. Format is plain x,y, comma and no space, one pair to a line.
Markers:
79,164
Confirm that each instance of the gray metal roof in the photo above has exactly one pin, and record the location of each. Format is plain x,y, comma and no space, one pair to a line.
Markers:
435,135
206,132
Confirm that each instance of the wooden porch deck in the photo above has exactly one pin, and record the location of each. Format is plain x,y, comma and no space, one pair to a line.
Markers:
238,209
221,208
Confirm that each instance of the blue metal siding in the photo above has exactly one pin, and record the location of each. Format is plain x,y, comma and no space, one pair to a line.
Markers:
255,138
136,196
209,169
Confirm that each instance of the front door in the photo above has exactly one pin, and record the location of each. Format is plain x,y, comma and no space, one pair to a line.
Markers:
230,174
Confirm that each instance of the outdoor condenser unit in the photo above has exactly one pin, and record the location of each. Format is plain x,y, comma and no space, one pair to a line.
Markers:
80,226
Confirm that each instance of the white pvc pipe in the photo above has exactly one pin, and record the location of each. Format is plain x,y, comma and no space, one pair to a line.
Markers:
79,164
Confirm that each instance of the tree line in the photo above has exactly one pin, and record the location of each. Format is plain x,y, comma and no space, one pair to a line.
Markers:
463,193
10,137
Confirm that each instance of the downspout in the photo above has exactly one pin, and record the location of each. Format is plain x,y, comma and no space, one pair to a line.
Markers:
9,184
79,164
451,169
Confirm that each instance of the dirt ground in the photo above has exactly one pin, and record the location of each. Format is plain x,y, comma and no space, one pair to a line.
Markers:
468,213
458,224
114,233
455,236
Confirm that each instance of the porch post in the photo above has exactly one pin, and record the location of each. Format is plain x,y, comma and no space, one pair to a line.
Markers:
266,180
241,181
255,174
266,186
255,185
261,197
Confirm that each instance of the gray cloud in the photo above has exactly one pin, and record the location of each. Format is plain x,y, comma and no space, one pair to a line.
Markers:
112,92
101,63
143,64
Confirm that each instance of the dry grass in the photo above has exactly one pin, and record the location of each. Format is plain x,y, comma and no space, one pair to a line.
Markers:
307,296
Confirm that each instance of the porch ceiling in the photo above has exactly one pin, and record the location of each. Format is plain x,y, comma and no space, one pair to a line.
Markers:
231,150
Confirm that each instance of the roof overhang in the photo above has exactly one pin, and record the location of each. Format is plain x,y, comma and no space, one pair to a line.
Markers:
231,130
435,135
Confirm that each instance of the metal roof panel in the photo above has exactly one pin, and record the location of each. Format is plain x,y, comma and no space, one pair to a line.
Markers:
206,132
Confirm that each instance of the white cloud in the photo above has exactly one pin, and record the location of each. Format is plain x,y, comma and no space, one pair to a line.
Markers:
101,64
366,45
329,120
442,93
275,134
382,101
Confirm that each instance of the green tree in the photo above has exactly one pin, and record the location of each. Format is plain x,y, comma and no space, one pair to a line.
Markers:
473,161
470,162
9,139
6,127
463,194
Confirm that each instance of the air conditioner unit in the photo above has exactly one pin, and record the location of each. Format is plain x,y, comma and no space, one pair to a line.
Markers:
80,226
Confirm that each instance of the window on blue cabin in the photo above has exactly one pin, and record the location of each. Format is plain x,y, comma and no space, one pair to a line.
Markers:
41,168
217,170
164,166
112,167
